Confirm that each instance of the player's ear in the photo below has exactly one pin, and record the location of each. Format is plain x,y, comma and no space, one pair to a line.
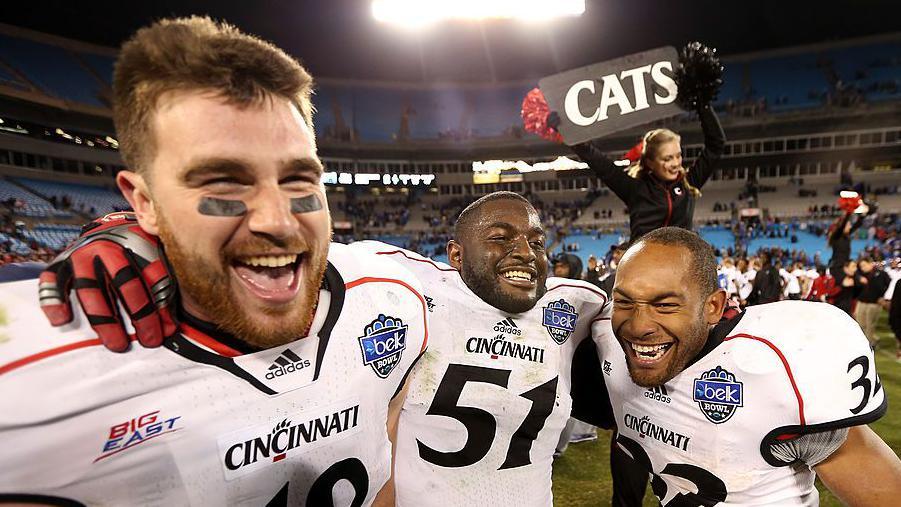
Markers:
455,254
714,307
136,192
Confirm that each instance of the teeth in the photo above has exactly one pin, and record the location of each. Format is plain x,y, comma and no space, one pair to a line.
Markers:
518,275
648,348
269,261
650,352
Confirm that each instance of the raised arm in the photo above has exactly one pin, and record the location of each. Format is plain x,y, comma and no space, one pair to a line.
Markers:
612,175
714,145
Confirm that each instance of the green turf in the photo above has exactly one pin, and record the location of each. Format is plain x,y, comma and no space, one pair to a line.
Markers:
582,474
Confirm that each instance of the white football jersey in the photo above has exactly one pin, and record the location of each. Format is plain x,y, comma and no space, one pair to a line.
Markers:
196,422
489,399
769,376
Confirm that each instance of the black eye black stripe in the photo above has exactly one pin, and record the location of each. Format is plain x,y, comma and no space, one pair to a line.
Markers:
221,207
306,204
213,206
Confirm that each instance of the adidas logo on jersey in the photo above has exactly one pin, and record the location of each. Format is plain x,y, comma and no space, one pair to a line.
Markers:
658,393
508,326
287,362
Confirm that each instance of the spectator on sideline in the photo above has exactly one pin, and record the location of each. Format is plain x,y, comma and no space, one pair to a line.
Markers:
847,289
839,238
567,265
894,317
824,288
593,274
767,283
871,286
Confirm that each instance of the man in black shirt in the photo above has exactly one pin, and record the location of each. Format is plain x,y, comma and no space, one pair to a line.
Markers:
767,283
872,284
894,316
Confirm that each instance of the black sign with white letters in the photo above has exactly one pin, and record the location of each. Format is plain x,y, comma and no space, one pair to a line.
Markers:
615,95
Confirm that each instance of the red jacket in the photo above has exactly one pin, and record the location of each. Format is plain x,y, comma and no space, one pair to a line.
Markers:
824,289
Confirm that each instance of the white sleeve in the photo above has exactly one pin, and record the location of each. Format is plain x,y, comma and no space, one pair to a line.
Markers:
833,371
841,382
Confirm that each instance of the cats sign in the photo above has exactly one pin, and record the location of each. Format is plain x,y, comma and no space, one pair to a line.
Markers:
607,97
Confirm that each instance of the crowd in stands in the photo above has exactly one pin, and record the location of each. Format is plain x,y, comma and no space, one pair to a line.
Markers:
15,245
371,214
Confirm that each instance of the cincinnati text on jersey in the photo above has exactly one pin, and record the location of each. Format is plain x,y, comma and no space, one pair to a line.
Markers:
275,444
137,430
499,346
645,428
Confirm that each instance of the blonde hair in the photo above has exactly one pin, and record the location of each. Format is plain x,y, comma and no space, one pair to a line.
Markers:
650,144
197,53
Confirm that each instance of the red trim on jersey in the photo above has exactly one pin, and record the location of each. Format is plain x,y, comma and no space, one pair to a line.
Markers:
428,261
208,341
425,327
788,370
18,363
589,289
593,291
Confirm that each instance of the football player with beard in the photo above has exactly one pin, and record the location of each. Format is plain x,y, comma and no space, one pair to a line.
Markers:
487,402
743,410
283,380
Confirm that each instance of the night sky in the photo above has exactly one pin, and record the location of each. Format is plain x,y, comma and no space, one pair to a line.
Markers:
340,39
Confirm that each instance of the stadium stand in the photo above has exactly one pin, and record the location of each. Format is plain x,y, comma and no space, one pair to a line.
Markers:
837,75
14,245
53,236
86,199
788,115
52,70
27,203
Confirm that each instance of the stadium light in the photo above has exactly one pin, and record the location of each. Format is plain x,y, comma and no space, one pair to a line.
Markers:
422,12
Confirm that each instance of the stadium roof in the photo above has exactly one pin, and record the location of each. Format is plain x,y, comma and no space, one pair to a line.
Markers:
339,39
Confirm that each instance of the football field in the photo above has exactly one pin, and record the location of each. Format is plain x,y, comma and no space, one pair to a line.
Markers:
582,474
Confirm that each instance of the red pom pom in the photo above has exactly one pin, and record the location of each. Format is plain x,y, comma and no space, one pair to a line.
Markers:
535,112
635,153
849,201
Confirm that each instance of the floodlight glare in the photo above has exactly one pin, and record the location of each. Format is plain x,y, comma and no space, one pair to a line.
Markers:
422,12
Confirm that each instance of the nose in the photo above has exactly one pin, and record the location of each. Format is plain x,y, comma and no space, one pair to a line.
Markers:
522,249
270,213
641,323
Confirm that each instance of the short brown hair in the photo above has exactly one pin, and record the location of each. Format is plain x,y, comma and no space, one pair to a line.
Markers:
197,53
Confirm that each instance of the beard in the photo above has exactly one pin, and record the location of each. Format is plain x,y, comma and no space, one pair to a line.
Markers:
682,354
482,281
211,288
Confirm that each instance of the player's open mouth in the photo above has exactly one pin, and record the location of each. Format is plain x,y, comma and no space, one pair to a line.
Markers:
649,354
519,277
274,278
